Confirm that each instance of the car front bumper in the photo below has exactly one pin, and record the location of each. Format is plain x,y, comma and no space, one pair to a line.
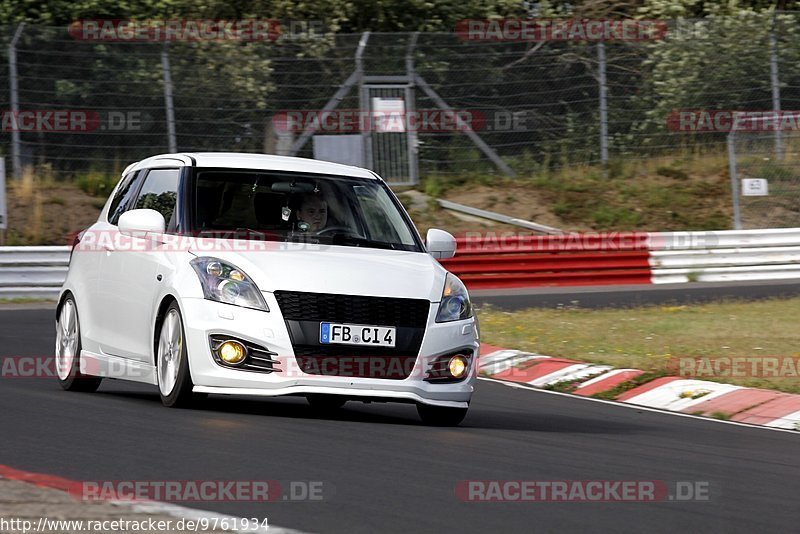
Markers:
203,318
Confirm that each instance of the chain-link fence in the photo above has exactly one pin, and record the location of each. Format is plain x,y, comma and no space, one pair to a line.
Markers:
766,184
532,106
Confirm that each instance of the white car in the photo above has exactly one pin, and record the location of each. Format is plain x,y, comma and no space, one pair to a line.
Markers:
246,274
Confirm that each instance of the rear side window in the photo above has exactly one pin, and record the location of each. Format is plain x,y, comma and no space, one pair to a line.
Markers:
160,192
123,199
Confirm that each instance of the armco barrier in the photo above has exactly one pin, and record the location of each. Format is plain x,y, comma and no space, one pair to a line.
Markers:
491,261
37,272
679,257
506,261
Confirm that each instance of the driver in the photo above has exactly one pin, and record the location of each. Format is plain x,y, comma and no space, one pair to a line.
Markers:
313,210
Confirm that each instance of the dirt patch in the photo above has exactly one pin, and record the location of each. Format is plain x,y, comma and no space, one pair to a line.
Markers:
523,202
46,214
652,195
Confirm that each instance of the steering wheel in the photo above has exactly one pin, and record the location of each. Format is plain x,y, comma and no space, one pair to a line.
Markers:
332,229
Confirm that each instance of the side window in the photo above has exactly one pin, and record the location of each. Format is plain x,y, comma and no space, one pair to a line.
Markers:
123,199
159,192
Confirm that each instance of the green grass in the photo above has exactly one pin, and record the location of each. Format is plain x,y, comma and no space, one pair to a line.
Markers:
25,300
652,338
95,183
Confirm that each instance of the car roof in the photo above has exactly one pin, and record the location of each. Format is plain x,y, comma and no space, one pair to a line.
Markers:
241,160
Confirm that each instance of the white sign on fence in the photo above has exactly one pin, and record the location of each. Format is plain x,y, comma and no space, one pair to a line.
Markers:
754,187
3,212
389,114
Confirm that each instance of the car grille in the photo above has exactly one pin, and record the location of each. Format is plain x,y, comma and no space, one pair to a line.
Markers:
300,306
304,311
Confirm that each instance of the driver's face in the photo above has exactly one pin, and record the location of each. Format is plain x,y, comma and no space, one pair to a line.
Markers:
314,211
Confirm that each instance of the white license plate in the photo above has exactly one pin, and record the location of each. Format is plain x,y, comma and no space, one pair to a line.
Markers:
357,334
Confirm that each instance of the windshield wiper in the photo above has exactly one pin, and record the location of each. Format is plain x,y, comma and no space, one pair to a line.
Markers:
241,233
350,239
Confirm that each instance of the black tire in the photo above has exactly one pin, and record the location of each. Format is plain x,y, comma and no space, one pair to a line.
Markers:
440,415
325,403
74,380
181,395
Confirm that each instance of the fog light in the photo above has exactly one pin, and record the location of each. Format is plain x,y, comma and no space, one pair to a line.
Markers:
457,366
232,352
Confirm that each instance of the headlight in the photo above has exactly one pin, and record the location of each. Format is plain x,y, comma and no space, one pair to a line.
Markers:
226,283
455,304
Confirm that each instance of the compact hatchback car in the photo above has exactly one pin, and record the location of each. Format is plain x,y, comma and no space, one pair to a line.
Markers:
245,274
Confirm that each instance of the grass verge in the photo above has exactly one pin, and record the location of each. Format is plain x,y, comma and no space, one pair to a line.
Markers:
24,300
652,338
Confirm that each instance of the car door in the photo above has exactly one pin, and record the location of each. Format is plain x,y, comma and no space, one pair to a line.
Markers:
105,236
86,262
131,271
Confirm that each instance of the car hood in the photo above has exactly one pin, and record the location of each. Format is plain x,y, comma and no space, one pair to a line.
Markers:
339,269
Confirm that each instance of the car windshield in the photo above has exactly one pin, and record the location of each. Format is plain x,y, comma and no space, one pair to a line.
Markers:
313,208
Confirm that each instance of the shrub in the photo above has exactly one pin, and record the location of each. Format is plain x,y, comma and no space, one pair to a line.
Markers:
96,183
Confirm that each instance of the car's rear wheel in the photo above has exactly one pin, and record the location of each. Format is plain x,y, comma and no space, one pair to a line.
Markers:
441,415
325,403
68,350
172,360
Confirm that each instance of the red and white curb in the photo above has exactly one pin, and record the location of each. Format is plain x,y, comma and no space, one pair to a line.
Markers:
697,397
140,506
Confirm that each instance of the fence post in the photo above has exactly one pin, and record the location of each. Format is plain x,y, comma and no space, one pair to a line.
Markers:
13,80
363,98
737,216
168,104
411,133
601,61
776,90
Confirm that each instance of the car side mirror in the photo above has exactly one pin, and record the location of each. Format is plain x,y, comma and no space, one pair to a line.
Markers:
441,245
137,223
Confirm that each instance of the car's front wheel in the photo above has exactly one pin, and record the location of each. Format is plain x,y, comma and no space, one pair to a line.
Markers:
172,360
441,415
68,351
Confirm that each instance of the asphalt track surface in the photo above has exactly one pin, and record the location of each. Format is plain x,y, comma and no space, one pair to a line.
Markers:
633,295
385,472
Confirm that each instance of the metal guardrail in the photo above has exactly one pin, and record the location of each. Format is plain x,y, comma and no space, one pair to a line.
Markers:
32,272
492,216
680,257
553,260
771,237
